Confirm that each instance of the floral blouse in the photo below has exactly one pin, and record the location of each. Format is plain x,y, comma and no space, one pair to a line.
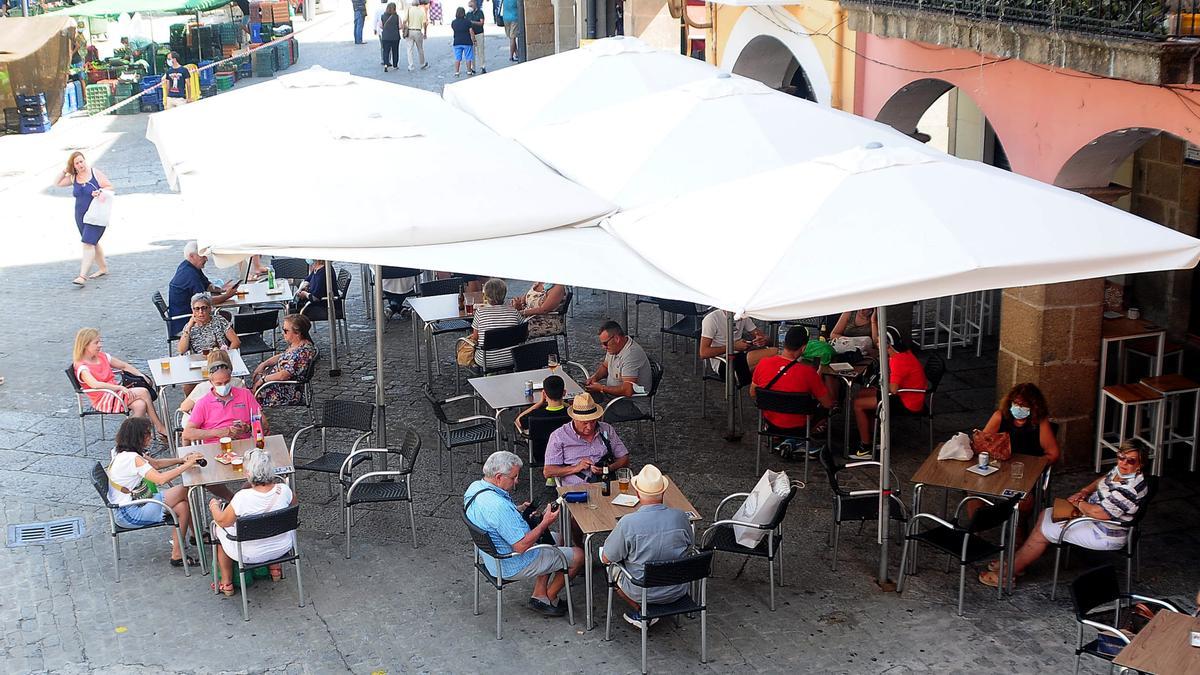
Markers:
209,336
296,362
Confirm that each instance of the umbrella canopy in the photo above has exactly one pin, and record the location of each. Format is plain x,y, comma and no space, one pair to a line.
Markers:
884,224
351,162
698,134
114,7
559,87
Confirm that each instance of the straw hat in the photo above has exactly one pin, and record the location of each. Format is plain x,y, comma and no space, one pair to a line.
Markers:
584,409
650,481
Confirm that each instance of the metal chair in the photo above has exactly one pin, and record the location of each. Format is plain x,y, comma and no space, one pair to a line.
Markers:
534,355
100,482
336,414
318,310
393,299
80,394
250,328
458,432
164,313
720,536
264,526
622,409
491,341
1132,537
790,403
1095,594
449,286
292,269
708,375
693,569
856,505
961,538
935,368
537,437
563,309
688,325
377,487
303,381
637,310
483,544
446,286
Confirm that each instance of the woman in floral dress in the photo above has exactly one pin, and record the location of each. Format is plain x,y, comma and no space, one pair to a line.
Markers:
293,364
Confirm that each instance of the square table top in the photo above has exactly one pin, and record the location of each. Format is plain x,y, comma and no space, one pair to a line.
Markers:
256,294
858,371
217,472
1124,328
953,474
508,389
438,307
604,517
1163,646
182,373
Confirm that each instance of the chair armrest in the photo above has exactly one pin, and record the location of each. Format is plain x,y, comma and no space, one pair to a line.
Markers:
1161,603
970,498
912,391
1105,628
852,465
179,316
717,512
615,568
296,437
930,516
729,522
460,397
473,418
547,547
269,383
583,370
371,474
139,502
1085,519
346,463
107,393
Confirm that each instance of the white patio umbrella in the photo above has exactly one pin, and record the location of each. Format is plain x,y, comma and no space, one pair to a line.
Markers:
880,225
701,133
559,87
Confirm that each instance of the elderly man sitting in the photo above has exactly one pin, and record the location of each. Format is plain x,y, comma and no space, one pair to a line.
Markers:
653,533
488,505
578,452
189,280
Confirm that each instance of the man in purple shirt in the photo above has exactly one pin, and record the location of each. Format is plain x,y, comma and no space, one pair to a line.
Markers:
576,452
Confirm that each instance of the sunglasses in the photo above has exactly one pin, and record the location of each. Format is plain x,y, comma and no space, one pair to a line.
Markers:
218,366
202,308
288,330
1127,459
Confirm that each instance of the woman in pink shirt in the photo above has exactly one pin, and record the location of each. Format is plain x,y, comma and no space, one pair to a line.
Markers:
97,370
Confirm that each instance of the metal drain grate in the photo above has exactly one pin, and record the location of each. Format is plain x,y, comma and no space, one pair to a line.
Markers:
65,529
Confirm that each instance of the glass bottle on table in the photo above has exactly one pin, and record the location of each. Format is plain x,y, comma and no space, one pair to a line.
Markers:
606,490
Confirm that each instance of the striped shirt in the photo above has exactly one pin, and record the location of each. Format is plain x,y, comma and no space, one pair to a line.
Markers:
496,514
1119,498
488,317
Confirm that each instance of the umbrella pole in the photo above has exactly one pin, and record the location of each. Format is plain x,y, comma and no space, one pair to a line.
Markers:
731,432
885,456
330,291
380,406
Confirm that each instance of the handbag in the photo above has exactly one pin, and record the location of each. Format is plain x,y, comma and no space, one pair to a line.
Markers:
99,212
1063,510
465,355
995,443
129,381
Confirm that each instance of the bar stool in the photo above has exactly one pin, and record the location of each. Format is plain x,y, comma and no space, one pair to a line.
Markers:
1173,388
1147,348
1131,398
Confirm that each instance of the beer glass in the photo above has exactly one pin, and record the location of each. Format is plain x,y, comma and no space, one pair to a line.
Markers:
624,476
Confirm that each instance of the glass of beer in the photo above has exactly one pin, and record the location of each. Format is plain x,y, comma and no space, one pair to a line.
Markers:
204,371
236,462
226,444
552,363
624,476
166,366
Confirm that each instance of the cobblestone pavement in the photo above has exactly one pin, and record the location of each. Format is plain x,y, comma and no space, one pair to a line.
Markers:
393,608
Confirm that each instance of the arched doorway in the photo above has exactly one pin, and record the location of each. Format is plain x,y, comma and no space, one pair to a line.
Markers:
769,61
770,45
943,115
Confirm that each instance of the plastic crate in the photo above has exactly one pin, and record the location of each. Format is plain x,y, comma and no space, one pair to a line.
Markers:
244,70
40,128
263,63
29,109
38,99
256,33
12,120
99,97
225,81
206,73
283,58
294,48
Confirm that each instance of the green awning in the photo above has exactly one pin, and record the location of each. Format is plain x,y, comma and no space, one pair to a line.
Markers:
115,7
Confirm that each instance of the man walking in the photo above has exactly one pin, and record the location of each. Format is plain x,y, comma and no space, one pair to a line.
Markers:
174,83
360,19
511,15
475,16
416,23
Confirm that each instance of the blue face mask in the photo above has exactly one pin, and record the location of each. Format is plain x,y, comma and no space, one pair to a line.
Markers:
222,389
309,261
1019,412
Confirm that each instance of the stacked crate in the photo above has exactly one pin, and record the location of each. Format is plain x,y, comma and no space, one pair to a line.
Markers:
283,55
12,121
225,80
99,97
126,90
70,101
152,95
229,34
35,118
263,62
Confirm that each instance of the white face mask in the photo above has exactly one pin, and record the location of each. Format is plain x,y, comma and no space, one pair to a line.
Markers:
222,389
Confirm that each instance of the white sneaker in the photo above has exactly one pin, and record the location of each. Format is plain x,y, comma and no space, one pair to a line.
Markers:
628,615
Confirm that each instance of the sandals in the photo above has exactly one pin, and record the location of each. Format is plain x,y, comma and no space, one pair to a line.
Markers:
994,566
79,281
992,578
178,562
226,588
97,274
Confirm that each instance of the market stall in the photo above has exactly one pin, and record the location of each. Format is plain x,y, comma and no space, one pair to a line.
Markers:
33,65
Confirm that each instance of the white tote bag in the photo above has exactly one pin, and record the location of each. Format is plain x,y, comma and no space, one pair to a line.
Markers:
760,507
99,213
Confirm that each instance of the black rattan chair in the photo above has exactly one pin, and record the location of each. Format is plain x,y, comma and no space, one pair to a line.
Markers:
378,487
164,313
961,538
483,544
623,409
292,269
1097,599
100,482
336,415
1133,536
856,505
88,410
250,328
264,526
720,537
687,326
692,569
536,438
490,342
459,432
303,381
318,310
791,404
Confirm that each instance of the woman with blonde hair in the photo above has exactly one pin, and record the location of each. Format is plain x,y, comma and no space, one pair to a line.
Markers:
98,370
86,183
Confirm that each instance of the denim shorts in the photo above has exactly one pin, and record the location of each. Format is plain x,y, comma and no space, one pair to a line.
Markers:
464,53
141,515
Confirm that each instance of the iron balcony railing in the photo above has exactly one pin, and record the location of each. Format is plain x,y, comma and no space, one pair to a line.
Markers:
1142,19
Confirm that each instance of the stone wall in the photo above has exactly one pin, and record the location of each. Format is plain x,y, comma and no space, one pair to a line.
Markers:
539,27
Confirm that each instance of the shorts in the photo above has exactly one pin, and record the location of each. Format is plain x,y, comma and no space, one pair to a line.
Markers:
510,29
1087,535
90,234
141,515
464,53
545,563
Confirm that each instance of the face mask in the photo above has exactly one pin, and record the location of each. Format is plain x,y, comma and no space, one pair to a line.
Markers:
1019,412
1127,476
309,261
222,389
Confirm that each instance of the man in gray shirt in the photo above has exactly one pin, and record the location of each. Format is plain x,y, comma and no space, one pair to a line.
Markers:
653,533
625,364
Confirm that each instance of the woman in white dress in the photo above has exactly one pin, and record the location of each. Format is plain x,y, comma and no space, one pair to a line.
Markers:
263,495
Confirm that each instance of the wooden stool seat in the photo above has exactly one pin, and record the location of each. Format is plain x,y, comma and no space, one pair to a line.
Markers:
1170,384
1149,347
1131,394
1174,389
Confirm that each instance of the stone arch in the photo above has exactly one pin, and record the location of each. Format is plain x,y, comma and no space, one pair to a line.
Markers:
1094,164
905,108
778,52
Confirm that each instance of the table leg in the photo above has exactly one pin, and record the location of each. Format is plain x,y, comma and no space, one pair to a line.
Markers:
587,577
164,414
1160,448
428,337
1012,550
498,448
1100,404
847,413
1162,348
416,326
198,526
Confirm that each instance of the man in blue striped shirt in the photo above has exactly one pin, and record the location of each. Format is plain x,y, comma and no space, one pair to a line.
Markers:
489,507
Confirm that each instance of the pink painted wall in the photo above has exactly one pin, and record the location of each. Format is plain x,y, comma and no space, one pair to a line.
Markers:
1041,116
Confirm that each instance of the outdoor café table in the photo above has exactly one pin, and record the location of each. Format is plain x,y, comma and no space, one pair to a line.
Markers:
953,475
849,377
507,390
216,473
185,369
258,294
603,518
433,308
1163,646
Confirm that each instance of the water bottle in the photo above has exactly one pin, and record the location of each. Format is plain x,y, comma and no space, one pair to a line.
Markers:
271,278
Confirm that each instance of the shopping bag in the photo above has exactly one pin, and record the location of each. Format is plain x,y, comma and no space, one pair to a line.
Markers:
760,507
99,213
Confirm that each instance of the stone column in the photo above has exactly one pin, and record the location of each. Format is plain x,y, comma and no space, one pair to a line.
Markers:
539,27
1050,336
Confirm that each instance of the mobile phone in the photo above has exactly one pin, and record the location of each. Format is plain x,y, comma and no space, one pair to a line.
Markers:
691,515
531,509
